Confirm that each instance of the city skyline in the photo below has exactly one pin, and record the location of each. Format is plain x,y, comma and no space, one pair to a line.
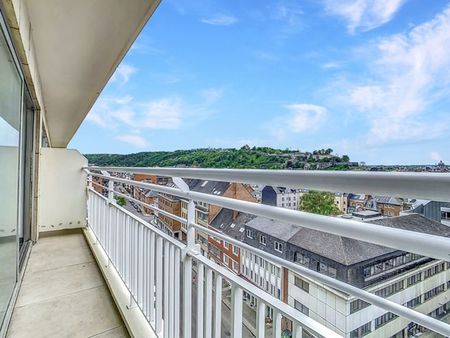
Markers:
367,81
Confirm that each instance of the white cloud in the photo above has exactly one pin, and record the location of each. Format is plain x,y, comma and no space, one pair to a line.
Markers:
331,65
363,15
123,113
435,156
164,113
302,117
220,20
135,140
408,74
123,73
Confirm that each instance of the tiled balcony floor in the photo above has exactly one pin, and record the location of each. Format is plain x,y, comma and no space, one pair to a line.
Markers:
63,293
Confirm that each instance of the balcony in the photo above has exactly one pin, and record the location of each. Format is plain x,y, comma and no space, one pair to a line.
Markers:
166,288
96,269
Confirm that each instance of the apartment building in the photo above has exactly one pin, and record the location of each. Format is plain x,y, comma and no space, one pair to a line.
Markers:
272,237
280,197
172,205
385,205
356,202
205,213
437,211
222,252
341,201
403,277
413,280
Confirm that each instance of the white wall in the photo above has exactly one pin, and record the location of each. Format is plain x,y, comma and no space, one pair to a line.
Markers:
62,189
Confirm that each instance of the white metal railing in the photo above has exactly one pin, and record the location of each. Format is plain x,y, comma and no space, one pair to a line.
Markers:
427,245
155,268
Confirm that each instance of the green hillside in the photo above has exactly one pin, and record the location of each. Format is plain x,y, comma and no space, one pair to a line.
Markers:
245,157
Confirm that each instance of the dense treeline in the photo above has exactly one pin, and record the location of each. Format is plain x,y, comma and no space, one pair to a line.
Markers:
246,157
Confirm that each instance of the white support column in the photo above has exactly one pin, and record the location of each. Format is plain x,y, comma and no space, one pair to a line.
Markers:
190,229
236,311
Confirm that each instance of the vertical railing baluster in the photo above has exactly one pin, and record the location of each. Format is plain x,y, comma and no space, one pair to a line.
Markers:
260,319
217,306
176,306
208,303
159,286
152,277
166,288
171,286
276,324
297,330
200,291
187,296
236,311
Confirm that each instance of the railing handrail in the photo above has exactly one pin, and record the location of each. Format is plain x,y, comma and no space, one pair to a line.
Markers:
429,186
404,240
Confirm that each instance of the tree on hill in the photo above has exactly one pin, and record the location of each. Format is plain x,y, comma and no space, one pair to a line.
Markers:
345,158
318,202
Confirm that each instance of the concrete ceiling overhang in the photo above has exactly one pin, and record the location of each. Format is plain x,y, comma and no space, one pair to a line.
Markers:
78,45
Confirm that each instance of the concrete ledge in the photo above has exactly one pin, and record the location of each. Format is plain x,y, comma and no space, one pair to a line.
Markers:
134,319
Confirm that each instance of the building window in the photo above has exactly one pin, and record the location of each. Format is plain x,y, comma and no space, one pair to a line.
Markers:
358,304
301,259
390,264
300,283
384,319
300,307
226,245
434,270
434,292
361,331
235,249
249,233
262,239
390,289
226,259
278,246
327,270
414,302
234,265
414,279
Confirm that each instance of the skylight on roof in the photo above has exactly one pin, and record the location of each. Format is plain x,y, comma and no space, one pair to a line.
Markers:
204,183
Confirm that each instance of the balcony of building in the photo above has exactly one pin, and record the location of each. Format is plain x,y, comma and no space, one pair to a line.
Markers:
76,263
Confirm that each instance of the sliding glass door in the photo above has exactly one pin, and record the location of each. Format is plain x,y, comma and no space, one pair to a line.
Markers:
14,145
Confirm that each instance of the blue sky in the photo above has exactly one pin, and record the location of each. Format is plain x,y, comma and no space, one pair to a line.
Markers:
368,78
